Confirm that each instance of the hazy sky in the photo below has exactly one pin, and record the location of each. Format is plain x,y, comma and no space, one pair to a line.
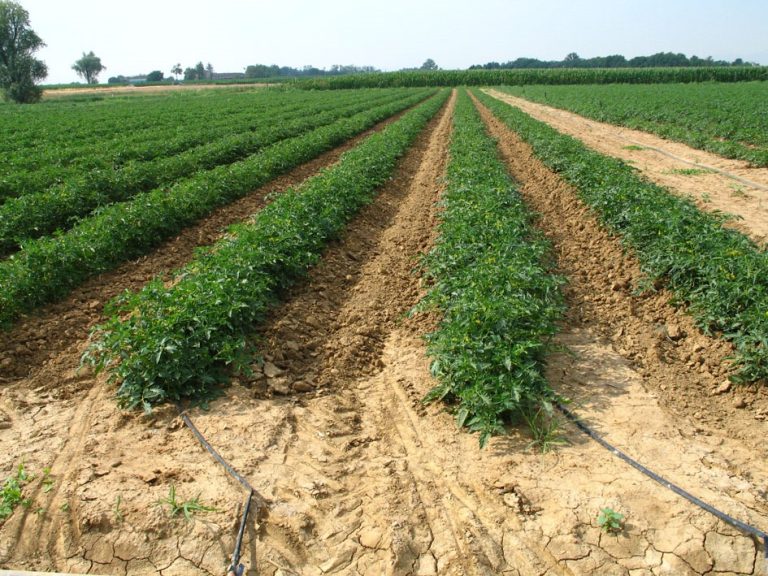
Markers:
138,36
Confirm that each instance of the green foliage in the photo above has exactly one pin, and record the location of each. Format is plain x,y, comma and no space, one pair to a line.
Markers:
155,76
36,214
19,69
103,139
690,171
165,342
720,274
48,480
12,493
47,268
89,66
493,285
175,506
610,521
545,427
410,79
118,513
196,73
727,119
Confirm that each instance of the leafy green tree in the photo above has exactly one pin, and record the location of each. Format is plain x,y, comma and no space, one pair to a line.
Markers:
199,71
176,71
571,60
155,76
89,67
19,69
429,64
209,71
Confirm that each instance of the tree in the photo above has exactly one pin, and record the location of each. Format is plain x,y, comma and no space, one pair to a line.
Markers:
89,67
209,71
429,64
199,71
571,60
155,76
176,71
19,69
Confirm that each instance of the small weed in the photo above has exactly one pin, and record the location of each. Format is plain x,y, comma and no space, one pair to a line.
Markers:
119,513
738,191
64,507
633,147
705,197
690,171
48,481
188,508
610,521
11,494
546,429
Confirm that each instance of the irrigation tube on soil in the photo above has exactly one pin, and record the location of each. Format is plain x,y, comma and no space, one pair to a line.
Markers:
757,533
235,568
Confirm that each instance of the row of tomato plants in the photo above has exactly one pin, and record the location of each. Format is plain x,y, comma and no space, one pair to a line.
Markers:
32,169
54,152
66,122
493,286
35,215
719,274
725,118
179,339
47,268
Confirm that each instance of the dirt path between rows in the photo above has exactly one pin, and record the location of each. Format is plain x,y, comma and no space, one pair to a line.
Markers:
641,374
683,170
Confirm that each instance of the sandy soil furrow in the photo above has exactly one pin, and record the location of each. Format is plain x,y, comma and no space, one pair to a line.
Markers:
369,481
639,372
665,163
363,486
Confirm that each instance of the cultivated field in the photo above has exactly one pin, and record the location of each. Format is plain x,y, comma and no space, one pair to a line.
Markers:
298,271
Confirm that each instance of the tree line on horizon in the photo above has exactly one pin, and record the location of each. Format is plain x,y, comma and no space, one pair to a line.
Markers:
573,60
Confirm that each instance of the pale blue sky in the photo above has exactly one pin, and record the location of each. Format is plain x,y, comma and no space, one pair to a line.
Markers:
137,36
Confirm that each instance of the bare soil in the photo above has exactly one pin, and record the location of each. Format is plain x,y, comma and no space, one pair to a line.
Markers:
354,474
713,182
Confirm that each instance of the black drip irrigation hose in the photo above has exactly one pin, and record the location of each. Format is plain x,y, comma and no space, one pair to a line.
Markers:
751,530
235,568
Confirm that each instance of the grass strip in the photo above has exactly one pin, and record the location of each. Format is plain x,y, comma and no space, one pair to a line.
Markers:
166,342
46,269
493,284
718,273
